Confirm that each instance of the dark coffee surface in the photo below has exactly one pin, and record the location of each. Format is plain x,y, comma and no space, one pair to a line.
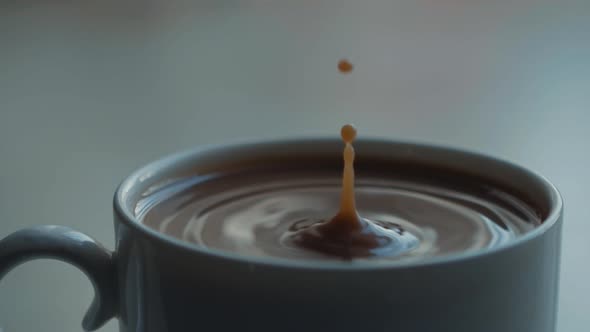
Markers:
260,212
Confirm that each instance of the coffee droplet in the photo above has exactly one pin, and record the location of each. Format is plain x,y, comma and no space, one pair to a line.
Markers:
347,235
344,66
348,133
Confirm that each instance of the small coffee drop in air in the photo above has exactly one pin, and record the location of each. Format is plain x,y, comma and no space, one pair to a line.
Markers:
348,133
344,66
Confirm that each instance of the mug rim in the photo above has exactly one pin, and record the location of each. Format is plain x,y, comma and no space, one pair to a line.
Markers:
169,162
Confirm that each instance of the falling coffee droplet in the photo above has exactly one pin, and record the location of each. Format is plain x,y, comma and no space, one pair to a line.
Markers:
344,66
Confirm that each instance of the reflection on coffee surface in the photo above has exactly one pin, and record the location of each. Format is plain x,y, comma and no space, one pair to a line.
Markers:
306,208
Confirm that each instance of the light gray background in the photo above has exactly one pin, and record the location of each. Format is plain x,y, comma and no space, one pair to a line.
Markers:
90,90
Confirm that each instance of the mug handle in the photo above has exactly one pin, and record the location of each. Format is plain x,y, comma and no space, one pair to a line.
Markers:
73,247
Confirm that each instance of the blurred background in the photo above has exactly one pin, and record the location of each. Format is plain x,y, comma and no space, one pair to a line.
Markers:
90,90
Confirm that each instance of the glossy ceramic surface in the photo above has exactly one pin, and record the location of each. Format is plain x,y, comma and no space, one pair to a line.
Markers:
153,283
